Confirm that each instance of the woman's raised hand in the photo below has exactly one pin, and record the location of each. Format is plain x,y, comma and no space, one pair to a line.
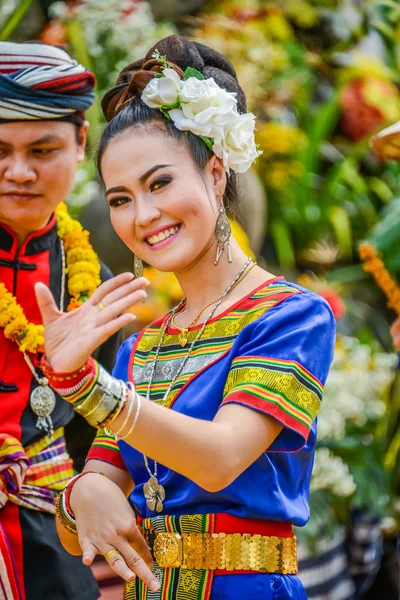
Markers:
70,338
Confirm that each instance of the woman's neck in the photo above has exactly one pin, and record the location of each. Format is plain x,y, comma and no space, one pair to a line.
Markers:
205,281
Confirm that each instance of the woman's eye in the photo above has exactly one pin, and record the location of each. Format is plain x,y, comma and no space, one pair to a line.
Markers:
118,201
159,183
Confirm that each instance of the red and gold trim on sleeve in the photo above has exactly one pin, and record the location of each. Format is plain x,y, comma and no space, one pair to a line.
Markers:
105,448
283,389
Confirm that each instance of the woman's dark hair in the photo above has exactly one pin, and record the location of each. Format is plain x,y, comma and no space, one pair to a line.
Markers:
124,109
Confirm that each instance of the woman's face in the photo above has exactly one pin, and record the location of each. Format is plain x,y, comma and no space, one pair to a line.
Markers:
161,206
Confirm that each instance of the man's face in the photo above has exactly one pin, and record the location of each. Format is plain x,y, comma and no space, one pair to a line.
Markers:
38,162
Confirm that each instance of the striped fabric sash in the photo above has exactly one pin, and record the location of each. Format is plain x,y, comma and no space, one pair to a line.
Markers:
176,584
32,478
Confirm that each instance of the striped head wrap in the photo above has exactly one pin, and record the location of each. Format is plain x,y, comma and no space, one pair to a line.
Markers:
41,82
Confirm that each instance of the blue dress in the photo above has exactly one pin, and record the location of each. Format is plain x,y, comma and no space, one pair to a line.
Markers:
270,352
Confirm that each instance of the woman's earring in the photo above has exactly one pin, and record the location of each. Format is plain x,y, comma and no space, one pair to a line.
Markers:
223,234
137,266
138,269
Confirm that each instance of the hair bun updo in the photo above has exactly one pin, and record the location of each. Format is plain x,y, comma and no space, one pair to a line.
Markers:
180,54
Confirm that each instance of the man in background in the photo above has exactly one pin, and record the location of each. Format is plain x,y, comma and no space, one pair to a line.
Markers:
43,96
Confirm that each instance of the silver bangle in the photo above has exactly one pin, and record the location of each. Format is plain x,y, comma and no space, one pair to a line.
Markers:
139,403
104,398
117,433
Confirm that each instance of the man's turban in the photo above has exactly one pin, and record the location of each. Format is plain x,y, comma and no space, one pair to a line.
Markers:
41,82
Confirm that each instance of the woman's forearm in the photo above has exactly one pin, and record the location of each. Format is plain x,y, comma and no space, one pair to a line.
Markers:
212,454
118,476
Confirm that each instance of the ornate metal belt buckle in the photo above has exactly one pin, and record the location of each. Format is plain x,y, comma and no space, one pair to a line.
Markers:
168,550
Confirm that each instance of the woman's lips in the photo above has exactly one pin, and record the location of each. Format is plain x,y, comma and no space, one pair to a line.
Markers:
164,243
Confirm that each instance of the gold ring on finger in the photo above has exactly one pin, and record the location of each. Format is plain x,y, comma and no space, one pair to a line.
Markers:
111,553
99,304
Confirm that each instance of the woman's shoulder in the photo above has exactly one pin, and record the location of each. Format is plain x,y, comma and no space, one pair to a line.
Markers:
283,308
297,327
281,299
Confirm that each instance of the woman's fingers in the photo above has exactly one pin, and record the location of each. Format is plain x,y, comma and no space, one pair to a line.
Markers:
136,563
89,551
117,562
103,332
128,564
138,543
112,284
121,291
112,311
47,306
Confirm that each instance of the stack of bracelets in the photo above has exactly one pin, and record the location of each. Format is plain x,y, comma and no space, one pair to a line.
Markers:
100,399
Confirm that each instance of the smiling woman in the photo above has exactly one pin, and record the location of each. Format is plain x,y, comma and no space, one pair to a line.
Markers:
210,413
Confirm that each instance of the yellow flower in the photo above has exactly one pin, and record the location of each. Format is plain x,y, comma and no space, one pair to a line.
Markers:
82,284
83,266
374,265
16,328
302,13
76,239
79,254
33,339
61,208
276,27
277,138
73,304
365,65
282,172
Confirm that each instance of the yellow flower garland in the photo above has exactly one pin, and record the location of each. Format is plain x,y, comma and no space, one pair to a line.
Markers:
374,265
83,271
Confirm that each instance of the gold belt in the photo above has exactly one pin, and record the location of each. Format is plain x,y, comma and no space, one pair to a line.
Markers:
230,552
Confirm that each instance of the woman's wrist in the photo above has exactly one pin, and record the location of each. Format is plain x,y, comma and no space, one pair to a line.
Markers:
126,423
83,487
93,392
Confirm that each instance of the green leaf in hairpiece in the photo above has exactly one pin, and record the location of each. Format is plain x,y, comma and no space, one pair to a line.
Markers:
209,142
163,59
191,72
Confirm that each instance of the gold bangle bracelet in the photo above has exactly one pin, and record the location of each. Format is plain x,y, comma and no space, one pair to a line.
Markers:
62,517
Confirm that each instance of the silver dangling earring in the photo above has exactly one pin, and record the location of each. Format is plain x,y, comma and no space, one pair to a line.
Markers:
223,234
137,266
138,269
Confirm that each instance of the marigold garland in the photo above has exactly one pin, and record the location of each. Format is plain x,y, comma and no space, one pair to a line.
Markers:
83,272
83,265
374,265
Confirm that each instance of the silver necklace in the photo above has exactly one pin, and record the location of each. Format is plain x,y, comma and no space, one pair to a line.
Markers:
153,491
43,399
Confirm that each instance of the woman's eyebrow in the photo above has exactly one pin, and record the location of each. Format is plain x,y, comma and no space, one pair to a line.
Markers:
117,188
142,179
150,172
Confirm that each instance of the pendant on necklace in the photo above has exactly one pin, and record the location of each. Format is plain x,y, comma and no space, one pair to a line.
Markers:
183,340
154,494
43,402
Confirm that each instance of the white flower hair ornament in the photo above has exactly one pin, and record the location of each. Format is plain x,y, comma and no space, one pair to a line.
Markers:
199,105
